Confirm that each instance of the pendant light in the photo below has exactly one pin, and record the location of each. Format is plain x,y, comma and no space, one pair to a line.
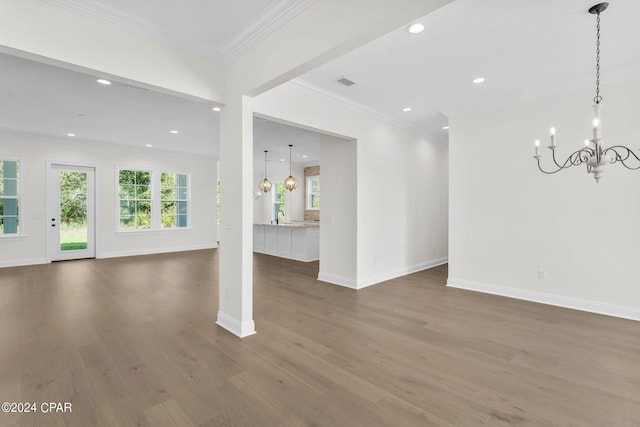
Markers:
265,185
290,183
594,155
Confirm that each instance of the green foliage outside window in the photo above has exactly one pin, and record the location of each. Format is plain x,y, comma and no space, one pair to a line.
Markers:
73,199
278,205
135,199
173,200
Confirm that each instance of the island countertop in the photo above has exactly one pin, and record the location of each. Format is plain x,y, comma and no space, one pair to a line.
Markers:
294,224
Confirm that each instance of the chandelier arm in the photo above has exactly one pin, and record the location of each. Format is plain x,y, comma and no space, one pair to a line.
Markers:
576,158
622,158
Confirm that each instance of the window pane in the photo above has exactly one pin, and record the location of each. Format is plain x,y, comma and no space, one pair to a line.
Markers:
182,221
143,178
8,178
143,221
127,221
182,208
127,177
169,221
181,180
169,193
127,191
143,208
143,192
182,193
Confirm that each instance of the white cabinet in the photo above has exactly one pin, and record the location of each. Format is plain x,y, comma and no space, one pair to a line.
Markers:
300,242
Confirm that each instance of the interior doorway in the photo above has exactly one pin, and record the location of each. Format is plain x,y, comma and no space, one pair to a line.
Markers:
71,212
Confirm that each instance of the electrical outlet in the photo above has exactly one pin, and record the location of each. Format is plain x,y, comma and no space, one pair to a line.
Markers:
542,274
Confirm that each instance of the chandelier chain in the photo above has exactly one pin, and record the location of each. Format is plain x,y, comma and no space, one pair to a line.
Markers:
598,98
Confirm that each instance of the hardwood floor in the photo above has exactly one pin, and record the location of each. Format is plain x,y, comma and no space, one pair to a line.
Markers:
133,342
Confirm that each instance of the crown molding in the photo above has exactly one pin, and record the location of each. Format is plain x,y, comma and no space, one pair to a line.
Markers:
262,26
364,109
268,21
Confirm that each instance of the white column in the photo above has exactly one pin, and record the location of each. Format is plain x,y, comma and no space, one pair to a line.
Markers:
236,217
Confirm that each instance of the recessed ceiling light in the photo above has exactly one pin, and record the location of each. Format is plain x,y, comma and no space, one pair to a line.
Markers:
71,134
103,82
173,131
148,145
445,127
304,156
282,160
478,80
415,28
406,109
217,109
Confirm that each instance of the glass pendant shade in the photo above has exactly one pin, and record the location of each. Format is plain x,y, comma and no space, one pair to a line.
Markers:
265,185
290,183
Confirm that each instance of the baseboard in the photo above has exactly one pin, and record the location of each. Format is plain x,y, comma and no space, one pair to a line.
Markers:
23,262
152,251
363,283
338,280
630,313
240,329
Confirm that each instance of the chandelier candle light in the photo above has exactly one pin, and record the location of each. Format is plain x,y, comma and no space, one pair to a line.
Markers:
265,184
593,154
290,183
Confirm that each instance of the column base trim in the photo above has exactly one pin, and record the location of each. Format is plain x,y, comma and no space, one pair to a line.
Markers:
237,328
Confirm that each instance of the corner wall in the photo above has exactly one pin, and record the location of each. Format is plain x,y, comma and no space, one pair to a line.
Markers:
509,223
34,155
399,206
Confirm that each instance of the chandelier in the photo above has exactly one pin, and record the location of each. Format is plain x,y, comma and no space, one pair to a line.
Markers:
593,155
265,184
290,183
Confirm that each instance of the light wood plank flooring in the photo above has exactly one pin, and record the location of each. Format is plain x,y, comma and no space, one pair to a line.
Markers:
133,342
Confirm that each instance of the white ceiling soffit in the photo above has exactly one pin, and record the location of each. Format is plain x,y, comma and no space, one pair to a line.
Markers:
216,29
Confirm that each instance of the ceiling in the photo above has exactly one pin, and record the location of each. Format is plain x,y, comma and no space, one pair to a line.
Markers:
525,49
216,29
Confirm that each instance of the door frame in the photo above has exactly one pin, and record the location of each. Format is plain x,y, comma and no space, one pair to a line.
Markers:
53,210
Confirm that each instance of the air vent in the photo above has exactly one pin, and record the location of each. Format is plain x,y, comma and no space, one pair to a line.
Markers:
345,81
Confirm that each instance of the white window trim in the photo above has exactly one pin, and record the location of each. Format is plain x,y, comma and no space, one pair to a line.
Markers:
22,233
307,202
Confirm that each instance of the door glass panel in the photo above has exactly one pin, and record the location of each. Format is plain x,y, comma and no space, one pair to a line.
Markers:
73,211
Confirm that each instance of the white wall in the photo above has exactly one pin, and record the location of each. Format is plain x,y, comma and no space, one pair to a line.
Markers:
401,194
34,156
338,212
508,221
293,200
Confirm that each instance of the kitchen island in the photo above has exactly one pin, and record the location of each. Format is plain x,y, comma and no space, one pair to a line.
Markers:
299,241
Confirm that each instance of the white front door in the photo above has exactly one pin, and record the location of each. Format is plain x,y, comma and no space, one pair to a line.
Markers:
71,212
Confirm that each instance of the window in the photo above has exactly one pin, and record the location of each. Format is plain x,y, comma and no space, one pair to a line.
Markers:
174,200
9,197
278,202
134,188
153,200
313,192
